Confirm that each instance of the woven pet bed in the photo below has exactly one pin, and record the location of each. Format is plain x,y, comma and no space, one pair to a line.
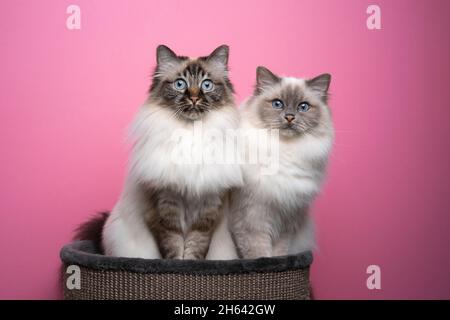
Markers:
104,277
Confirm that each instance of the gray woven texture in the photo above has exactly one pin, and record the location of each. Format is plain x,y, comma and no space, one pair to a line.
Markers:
109,278
123,285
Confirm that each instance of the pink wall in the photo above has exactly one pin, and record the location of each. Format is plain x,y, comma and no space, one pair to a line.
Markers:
67,97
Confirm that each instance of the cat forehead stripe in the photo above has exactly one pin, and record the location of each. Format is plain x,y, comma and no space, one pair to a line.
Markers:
194,69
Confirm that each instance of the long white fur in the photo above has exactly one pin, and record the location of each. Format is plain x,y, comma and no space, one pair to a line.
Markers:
125,233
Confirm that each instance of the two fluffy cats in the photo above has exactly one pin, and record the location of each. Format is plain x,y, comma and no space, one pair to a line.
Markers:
193,211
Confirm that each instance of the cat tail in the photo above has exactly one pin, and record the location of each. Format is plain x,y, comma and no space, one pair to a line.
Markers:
92,230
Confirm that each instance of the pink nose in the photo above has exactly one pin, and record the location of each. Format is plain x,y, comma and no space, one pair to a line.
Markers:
289,117
194,99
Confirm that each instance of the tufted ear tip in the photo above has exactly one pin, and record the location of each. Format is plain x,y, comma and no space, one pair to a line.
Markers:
320,86
164,54
320,83
224,47
220,54
265,77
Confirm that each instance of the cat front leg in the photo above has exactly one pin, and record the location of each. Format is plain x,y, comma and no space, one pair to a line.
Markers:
252,243
281,246
171,243
199,234
165,224
250,226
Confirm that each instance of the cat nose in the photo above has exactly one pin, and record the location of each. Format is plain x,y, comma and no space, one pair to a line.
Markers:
194,99
193,94
289,117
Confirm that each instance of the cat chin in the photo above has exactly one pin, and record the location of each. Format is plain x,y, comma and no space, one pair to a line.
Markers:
191,115
290,132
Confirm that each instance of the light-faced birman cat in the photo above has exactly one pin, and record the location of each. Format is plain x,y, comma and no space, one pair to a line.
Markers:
170,209
269,214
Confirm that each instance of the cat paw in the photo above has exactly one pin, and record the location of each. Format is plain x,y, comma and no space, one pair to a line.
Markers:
192,256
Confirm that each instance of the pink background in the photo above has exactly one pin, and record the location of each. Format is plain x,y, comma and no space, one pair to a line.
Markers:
68,96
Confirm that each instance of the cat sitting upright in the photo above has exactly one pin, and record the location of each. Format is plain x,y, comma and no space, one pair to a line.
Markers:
169,209
269,214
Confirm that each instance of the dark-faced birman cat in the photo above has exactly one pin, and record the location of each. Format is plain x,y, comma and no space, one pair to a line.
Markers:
168,208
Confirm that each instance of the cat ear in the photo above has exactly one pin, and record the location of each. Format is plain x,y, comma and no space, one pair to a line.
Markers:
220,55
320,85
166,59
165,55
265,78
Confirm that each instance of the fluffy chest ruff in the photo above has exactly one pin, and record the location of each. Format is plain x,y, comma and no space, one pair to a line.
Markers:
300,170
175,153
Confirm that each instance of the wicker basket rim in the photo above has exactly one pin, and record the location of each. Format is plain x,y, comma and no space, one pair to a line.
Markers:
84,253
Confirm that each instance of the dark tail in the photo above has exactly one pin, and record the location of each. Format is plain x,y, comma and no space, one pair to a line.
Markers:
92,230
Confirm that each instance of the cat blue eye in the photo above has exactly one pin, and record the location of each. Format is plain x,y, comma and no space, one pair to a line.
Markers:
304,106
207,85
277,104
180,84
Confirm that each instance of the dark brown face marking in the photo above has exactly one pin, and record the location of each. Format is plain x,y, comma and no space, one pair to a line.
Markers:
191,98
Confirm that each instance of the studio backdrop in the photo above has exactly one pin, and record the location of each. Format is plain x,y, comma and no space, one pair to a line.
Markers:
74,73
